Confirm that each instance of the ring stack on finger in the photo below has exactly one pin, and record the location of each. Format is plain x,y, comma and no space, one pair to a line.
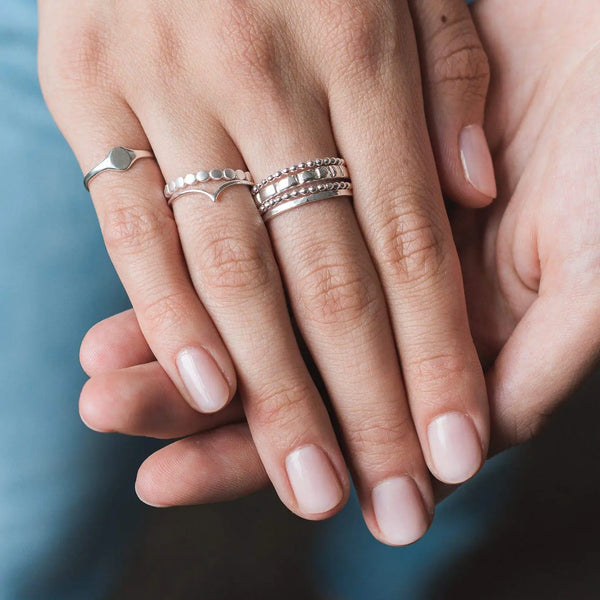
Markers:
196,183
301,184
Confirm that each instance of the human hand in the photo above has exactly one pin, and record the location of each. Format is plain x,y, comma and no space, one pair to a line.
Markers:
357,89
531,262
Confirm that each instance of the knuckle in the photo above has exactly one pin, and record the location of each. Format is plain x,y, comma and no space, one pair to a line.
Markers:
381,440
165,312
279,407
231,262
365,36
461,60
411,246
247,40
334,293
77,61
129,228
526,427
441,371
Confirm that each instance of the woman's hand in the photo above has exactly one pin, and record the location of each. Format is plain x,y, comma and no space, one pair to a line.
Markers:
262,85
531,266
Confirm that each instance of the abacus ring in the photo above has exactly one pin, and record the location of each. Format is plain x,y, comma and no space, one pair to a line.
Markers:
301,184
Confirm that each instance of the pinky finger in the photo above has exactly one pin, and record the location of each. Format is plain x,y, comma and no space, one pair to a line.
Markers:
215,466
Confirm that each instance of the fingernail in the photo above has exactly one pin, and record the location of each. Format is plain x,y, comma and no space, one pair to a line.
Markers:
477,160
455,447
313,480
400,511
203,379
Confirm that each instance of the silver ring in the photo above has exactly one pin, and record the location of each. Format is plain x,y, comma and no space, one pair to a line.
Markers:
118,159
300,184
189,184
300,201
299,167
287,182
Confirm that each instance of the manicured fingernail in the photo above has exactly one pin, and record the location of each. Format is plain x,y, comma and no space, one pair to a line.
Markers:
455,447
400,512
477,160
313,480
203,379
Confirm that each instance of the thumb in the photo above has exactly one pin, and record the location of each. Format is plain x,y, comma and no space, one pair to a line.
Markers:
456,74
550,351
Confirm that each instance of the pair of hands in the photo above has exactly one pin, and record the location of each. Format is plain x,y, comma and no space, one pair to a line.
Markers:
530,265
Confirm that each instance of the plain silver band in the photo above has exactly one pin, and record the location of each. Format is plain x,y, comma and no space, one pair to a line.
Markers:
108,165
296,202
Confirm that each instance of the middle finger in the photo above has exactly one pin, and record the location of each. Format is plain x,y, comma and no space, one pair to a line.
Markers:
341,312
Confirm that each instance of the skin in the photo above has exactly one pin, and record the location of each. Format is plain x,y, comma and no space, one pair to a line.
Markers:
531,264
379,278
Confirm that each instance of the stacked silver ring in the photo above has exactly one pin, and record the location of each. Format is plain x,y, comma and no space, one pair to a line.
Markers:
190,183
301,184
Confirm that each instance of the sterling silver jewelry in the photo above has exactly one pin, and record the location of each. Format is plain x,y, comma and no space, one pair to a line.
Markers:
299,167
287,182
189,184
300,184
118,159
286,205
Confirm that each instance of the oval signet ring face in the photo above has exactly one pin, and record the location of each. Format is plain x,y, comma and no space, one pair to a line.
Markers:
121,158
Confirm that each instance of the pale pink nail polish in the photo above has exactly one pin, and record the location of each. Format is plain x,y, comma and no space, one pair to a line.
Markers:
314,480
399,510
203,379
477,160
455,447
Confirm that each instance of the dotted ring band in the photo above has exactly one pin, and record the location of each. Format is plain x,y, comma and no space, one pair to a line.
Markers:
306,177
335,186
311,164
204,177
